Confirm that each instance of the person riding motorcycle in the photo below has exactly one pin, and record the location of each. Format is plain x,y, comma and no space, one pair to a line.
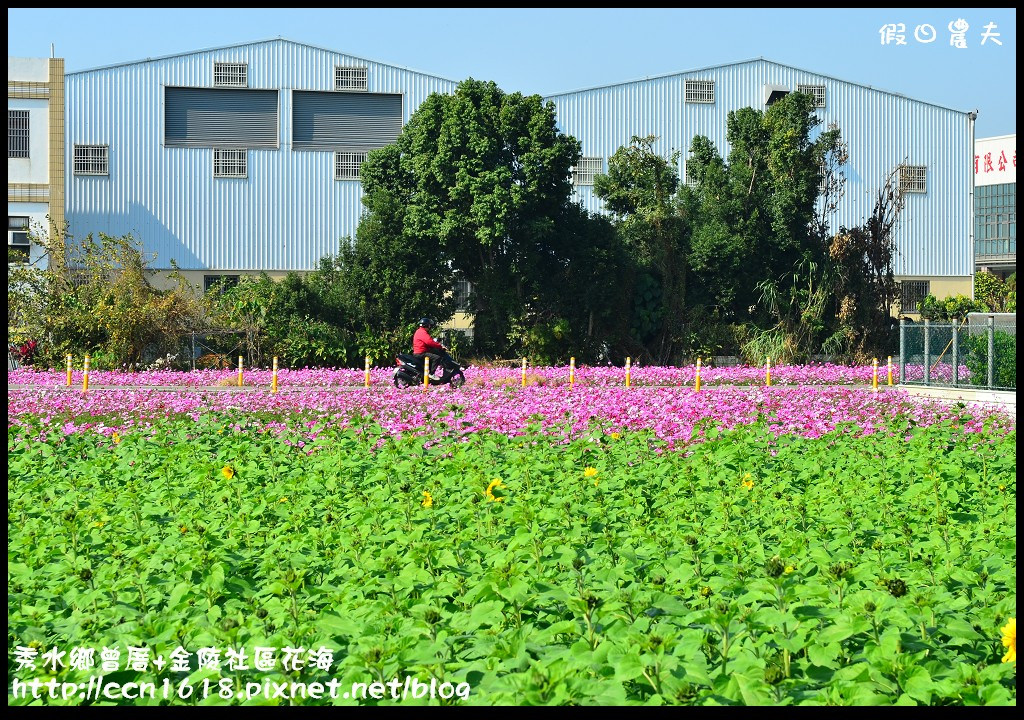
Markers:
424,346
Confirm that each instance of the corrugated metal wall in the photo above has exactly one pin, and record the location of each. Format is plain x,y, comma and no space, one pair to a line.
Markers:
289,211
882,129
287,214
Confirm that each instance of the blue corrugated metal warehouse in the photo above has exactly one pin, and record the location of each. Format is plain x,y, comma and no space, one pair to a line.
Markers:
245,158
239,158
883,130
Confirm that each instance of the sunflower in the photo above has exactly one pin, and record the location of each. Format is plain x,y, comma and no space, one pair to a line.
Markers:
748,481
494,485
428,501
116,438
1010,641
590,472
228,472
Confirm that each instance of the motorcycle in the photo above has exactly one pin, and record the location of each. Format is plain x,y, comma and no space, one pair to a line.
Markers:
409,372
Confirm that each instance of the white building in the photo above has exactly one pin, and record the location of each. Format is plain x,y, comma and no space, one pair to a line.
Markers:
35,154
995,204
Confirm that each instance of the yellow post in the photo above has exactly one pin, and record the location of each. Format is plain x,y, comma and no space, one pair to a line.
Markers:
69,371
273,380
768,371
890,369
627,372
85,375
572,371
366,375
239,371
696,385
874,374
426,372
524,372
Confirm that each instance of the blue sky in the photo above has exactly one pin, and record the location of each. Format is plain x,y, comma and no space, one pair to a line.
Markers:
545,51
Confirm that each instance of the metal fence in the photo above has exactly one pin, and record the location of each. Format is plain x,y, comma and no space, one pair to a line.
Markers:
979,351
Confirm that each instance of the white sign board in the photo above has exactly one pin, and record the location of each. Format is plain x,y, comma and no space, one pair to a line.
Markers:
995,160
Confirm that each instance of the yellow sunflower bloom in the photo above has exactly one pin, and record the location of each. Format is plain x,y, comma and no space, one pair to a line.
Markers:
228,472
116,438
748,481
428,501
494,485
616,436
590,472
1010,641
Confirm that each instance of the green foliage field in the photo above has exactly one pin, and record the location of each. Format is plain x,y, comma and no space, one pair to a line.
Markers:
751,570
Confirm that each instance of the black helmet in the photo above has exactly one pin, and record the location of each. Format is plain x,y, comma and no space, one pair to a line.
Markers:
426,322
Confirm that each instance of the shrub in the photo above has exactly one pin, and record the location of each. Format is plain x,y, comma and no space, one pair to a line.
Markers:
1005,350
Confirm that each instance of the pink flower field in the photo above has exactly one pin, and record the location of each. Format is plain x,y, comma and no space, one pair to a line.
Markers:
818,374
807,400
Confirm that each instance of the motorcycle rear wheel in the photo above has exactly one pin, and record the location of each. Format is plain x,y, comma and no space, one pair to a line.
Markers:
458,379
402,382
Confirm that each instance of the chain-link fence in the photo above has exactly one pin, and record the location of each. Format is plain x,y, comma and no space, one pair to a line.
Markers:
979,351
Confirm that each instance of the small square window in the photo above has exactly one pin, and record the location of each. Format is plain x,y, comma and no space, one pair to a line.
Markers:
700,91
17,133
230,74
222,281
913,179
463,290
91,160
18,242
349,78
911,293
587,170
347,164
688,176
815,91
229,163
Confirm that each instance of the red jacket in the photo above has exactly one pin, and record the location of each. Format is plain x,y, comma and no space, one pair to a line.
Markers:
423,343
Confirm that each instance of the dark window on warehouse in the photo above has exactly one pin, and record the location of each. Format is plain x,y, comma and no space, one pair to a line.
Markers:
215,117
222,281
911,293
347,122
463,290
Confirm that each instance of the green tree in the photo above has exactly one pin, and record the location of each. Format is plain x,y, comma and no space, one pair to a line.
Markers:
483,174
865,286
753,217
390,275
992,291
95,296
576,307
640,191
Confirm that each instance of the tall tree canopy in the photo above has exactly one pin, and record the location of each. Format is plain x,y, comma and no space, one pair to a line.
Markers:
640,191
756,212
484,175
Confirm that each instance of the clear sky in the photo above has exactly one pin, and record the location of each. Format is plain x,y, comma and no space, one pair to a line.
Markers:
546,51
